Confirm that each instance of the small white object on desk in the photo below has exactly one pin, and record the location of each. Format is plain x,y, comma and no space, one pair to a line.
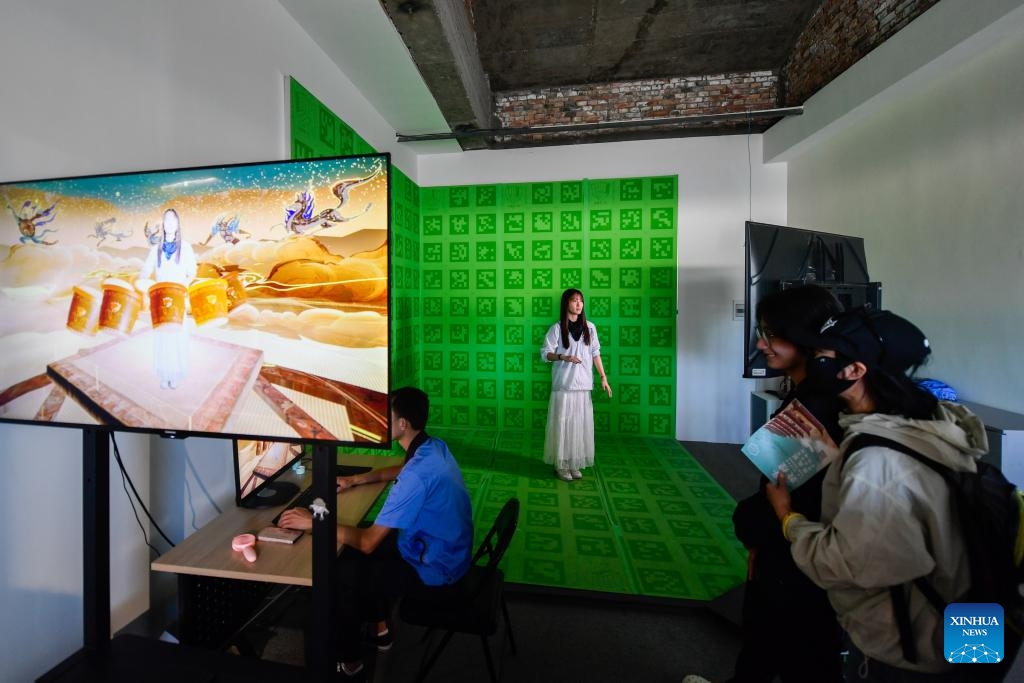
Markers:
319,508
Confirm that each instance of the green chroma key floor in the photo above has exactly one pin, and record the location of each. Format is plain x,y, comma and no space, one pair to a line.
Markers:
647,519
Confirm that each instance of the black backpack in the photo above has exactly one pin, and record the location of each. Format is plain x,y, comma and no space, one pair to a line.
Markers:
990,510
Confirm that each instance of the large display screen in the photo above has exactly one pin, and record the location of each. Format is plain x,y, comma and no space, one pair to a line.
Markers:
245,301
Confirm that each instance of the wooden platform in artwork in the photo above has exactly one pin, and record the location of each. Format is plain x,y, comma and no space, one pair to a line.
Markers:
117,382
228,389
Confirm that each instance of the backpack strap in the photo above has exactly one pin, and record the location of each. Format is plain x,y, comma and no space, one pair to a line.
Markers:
900,608
901,611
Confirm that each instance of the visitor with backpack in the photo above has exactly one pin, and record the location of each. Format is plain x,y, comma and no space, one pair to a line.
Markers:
778,598
887,519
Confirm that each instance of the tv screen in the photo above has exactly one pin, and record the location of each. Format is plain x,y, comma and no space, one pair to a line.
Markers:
779,256
244,301
258,464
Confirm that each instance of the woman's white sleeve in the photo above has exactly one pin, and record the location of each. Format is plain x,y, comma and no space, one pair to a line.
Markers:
550,343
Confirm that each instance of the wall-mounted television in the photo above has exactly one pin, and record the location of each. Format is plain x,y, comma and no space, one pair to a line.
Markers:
778,257
245,301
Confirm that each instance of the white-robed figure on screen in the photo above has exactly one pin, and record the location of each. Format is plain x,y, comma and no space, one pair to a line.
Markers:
169,260
571,345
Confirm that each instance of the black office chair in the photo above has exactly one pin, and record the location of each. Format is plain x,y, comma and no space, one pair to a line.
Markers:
474,607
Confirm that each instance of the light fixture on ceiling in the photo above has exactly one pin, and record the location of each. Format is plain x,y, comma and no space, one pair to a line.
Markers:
409,7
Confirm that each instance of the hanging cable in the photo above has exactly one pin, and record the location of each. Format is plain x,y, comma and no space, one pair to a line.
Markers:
124,477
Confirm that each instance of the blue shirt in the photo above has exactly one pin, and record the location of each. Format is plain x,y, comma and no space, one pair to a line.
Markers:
430,506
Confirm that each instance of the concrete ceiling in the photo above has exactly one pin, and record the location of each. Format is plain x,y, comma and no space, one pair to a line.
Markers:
438,66
473,52
530,43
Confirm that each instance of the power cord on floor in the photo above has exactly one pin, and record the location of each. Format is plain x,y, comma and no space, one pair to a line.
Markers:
126,481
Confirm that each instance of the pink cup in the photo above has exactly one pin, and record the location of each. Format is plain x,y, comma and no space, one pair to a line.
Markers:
245,544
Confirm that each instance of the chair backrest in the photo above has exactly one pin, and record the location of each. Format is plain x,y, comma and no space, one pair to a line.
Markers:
497,540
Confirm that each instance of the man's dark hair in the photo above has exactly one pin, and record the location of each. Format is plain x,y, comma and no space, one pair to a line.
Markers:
796,314
413,404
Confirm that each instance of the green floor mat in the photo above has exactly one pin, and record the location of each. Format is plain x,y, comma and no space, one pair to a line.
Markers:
647,519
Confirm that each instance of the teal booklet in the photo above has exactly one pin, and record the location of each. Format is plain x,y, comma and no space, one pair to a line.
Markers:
794,442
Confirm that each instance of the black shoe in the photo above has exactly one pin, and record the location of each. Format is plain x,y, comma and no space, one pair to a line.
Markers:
358,676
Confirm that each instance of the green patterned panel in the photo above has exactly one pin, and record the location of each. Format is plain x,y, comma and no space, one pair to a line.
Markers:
510,250
317,131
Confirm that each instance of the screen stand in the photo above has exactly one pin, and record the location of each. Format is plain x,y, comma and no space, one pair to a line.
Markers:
277,493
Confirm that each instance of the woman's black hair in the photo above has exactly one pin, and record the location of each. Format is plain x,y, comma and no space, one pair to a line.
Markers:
796,314
163,238
896,394
563,318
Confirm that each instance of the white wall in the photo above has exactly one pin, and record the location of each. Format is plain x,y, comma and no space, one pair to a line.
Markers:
932,178
107,86
712,401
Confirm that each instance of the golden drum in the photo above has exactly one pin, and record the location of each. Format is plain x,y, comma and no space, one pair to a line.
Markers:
236,290
84,312
121,306
167,303
209,300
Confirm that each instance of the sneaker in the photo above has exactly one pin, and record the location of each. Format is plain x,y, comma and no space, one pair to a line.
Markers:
693,678
564,475
384,640
357,676
576,474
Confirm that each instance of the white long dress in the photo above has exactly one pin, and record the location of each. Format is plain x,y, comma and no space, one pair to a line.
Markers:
569,438
171,342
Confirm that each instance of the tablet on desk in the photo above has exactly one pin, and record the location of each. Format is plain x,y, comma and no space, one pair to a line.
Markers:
276,534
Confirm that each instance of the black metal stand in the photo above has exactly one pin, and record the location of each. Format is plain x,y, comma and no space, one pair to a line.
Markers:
96,542
325,554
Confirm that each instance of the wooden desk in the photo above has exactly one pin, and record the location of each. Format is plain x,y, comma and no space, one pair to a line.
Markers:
208,551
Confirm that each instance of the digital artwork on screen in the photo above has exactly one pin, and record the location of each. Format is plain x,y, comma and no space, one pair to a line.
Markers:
246,300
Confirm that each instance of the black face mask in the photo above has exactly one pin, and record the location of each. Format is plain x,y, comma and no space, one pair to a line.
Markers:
822,376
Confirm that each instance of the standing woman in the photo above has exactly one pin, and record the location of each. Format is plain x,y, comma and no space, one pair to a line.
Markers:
572,347
887,520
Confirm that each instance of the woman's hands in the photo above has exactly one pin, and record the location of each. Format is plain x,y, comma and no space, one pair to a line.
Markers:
571,359
778,496
605,386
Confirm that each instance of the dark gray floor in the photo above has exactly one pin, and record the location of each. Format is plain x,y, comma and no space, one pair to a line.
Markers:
563,637
592,638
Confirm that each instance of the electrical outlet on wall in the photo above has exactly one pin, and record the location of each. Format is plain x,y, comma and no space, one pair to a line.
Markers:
738,310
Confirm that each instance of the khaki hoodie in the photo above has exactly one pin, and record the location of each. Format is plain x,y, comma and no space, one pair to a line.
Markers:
887,519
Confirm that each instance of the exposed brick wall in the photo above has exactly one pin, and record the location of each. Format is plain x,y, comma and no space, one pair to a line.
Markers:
839,34
633,100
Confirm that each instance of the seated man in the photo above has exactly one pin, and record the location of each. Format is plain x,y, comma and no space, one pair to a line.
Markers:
428,505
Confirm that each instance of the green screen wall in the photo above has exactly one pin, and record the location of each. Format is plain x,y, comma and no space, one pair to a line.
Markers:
477,273
317,132
495,261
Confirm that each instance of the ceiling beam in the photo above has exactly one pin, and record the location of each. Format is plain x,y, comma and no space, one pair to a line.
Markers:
442,43
663,121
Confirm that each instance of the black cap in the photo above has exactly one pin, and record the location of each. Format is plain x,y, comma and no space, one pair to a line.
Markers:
879,339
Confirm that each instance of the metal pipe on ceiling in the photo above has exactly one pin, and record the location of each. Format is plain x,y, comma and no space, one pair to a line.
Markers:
583,127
